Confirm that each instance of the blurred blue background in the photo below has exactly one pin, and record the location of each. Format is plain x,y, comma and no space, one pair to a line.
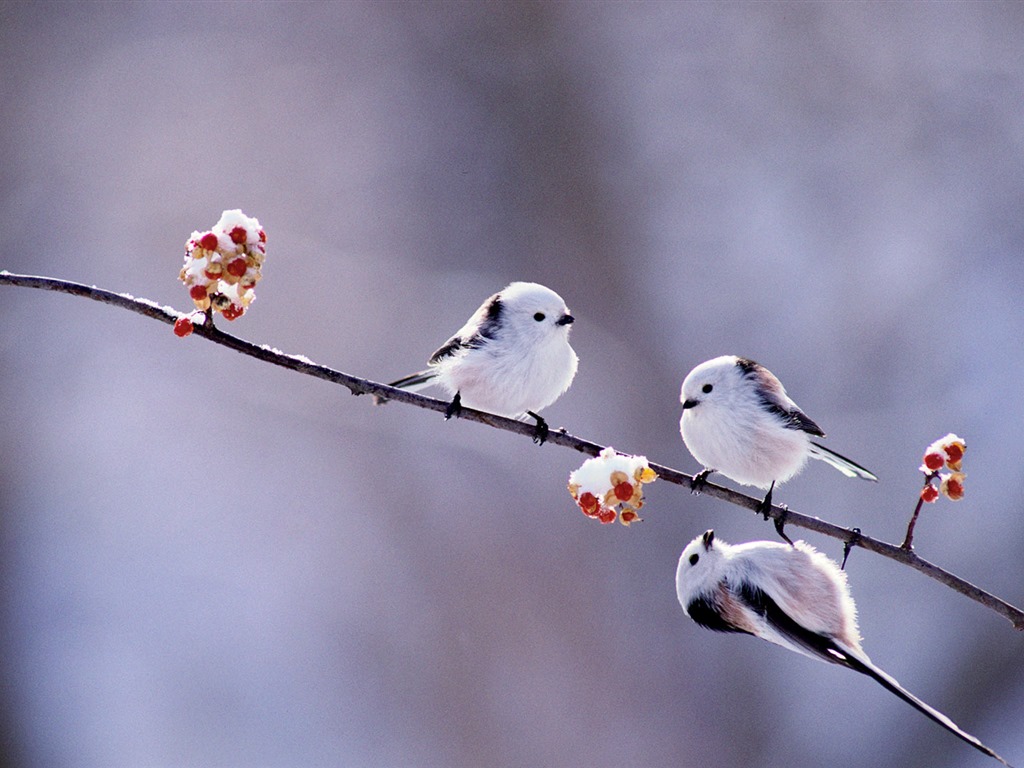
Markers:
211,561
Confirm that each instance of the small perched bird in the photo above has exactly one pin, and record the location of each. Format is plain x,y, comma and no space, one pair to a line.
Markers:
738,420
512,357
790,595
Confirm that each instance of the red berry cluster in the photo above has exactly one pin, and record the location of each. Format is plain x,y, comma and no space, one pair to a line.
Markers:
609,487
944,453
222,266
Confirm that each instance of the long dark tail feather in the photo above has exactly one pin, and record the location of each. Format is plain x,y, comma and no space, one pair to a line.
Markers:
843,464
866,668
412,382
798,638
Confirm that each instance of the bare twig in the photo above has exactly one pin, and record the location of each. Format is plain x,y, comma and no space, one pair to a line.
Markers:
359,386
908,540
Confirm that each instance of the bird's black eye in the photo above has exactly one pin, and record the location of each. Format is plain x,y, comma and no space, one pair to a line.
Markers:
694,558
707,388
539,317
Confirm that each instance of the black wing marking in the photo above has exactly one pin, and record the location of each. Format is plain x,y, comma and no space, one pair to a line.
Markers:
450,347
826,649
705,612
822,646
489,315
773,398
489,323
794,419
749,367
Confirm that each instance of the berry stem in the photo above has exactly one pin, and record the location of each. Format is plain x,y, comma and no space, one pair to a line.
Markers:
908,540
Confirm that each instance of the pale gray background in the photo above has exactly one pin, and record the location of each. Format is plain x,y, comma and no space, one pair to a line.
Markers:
210,561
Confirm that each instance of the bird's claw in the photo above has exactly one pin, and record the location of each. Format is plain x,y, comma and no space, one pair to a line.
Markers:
541,430
780,524
700,480
848,547
765,507
454,407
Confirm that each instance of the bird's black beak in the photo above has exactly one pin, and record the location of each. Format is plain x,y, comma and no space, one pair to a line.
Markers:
565,320
708,539
690,404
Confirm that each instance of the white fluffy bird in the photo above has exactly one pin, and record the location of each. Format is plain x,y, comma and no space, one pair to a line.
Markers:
738,420
512,357
790,595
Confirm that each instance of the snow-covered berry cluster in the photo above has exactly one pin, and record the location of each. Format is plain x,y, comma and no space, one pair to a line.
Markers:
222,264
945,453
610,486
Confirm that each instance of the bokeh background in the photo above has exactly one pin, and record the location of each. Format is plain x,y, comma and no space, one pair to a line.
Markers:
210,561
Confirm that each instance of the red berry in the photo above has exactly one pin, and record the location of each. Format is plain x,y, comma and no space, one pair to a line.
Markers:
929,493
182,327
263,236
589,504
237,235
955,452
233,312
237,267
623,491
953,487
197,292
209,241
934,461
606,515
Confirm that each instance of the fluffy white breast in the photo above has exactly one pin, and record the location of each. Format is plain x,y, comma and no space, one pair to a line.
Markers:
727,427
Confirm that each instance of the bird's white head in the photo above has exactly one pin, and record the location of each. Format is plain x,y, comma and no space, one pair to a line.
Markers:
700,567
717,381
533,311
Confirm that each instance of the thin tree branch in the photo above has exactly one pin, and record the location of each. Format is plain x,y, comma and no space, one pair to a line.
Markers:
358,386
